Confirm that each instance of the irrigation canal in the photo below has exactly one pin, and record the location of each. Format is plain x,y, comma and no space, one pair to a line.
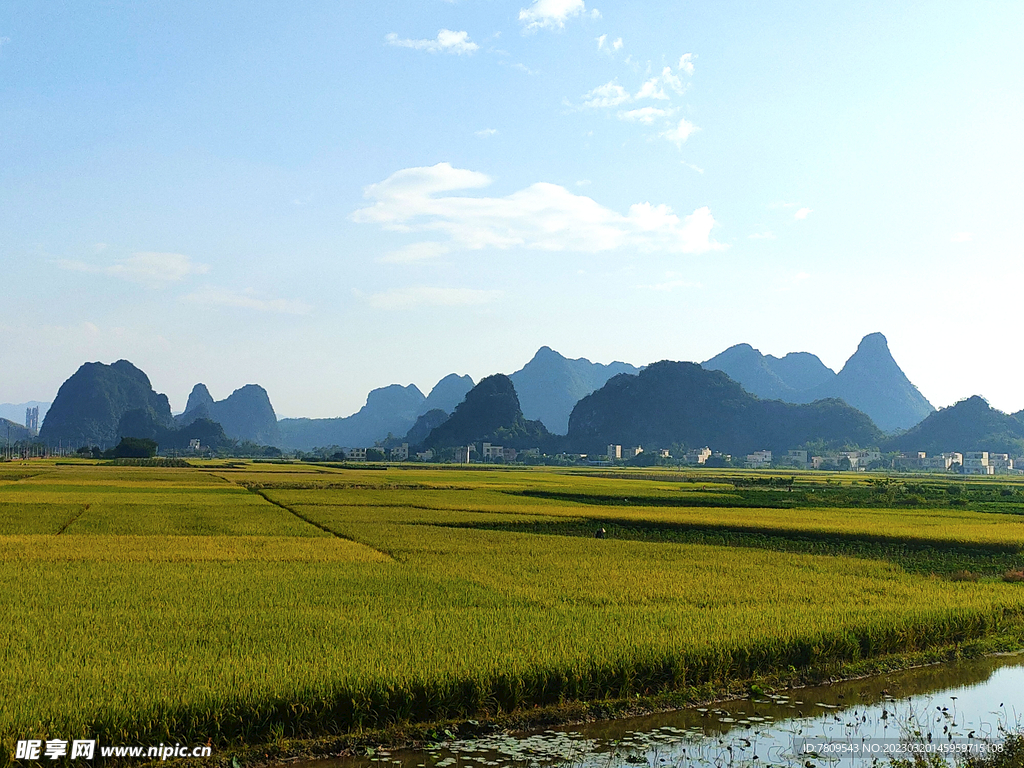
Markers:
945,708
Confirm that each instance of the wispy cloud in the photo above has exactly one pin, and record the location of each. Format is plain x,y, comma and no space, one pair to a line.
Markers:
604,45
405,298
543,216
552,14
149,268
487,132
415,252
211,296
447,41
678,135
662,87
802,214
646,115
611,94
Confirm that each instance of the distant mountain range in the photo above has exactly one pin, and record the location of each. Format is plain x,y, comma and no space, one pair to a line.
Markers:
970,425
738,401
670,402
13,431
550,385
246,414
871,381
389,410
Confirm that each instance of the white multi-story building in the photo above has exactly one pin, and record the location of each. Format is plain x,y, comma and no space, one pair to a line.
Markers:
940,463
1001,463
759,459
976,463
355,454
697,455
400,452
795,459
614,452
32,419
462,454
629,453
492,452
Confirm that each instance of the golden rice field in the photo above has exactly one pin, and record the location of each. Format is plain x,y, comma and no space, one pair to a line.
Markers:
243,602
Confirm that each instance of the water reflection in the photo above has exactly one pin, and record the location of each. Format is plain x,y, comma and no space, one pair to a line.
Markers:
943,709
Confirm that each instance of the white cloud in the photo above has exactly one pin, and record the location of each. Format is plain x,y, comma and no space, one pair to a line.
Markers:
526,69
651,90
645,115
680,133
610,94
961,237
210,296
487,132
654,88
415,252
155,270
600,41
552,14
404,298
612,46
617,44
686,63
802,214
767,235
545,217
447,41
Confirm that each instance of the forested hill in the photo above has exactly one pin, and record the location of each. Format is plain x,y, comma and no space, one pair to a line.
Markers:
970,425
90,404
671,402
489,413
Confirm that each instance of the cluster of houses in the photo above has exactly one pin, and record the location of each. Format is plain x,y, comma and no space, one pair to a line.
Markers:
968,463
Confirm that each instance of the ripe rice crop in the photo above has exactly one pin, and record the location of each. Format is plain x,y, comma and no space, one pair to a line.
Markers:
180,605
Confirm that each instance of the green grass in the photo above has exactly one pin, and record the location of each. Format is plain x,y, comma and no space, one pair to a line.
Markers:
215,602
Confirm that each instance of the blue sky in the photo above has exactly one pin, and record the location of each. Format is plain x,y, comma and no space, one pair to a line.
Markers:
326,197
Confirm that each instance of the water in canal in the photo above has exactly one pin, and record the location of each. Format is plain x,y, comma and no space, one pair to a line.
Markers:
944,709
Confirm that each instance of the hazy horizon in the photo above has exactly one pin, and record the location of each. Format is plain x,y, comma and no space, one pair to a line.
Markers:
328,198
178,401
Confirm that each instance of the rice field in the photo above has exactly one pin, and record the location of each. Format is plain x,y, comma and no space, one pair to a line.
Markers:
244,602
